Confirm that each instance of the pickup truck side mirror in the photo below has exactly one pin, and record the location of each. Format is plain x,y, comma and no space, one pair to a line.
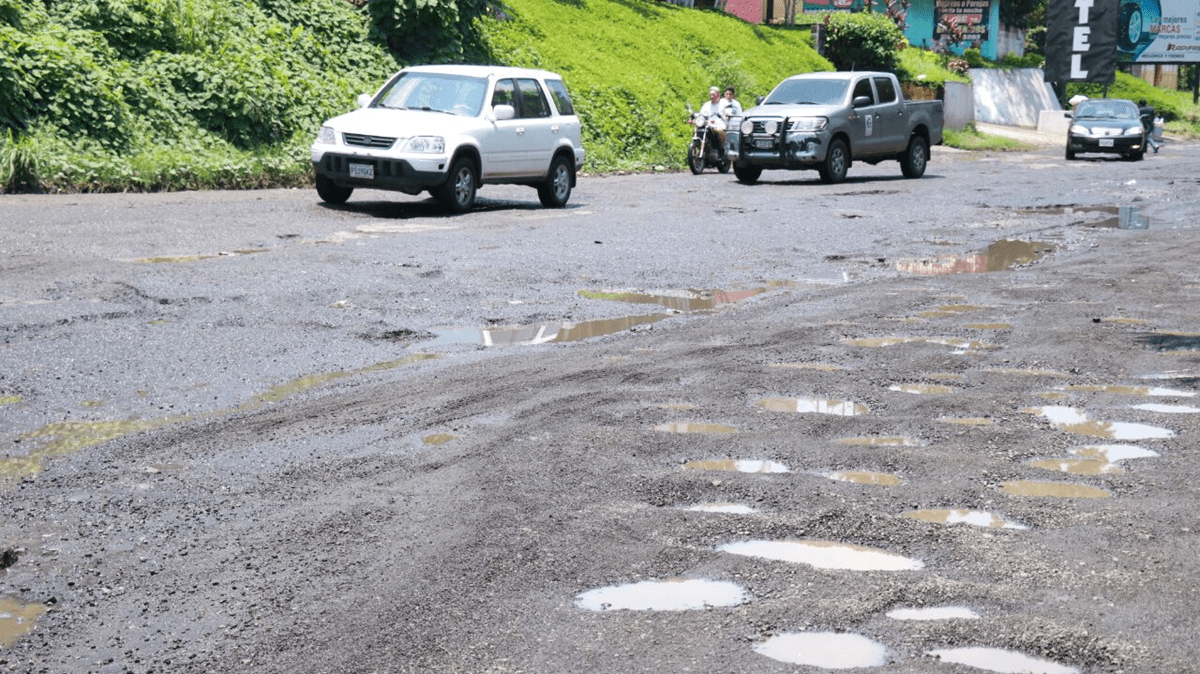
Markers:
364,100
503,112
759,100
861,101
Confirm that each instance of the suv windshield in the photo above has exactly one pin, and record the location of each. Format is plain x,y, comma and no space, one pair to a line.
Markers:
821,92
451,94
1113,109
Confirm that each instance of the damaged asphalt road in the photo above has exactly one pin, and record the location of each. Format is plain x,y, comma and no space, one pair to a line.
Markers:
942,425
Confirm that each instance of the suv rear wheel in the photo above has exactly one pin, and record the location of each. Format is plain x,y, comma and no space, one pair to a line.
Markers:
557,189
459,191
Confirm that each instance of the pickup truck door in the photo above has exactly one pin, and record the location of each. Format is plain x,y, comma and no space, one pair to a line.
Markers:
864,123
892,116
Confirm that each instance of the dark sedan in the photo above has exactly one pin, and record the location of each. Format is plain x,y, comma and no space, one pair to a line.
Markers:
1111,125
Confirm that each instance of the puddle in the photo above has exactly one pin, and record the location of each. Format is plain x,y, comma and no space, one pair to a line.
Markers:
1078,466
841,408
988,326
977,518
438,438
10,400
1173,342
1028,372
17,619
675,406
865,477
695,428
1154,391
824,555
1000,256
677,594
738,466
966,421
687,301
1114,453
820,367
1073,420
960,345
1167,409
924,389
724,508
827,650
1000,660
1095,459
1052,490
880,441
949,310
542,334
933,613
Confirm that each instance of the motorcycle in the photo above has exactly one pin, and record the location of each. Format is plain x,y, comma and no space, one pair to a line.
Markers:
706,149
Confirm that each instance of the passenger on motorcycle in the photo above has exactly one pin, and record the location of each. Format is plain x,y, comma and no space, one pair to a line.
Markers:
730,102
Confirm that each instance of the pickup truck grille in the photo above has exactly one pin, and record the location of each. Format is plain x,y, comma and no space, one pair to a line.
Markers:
760,125
363,140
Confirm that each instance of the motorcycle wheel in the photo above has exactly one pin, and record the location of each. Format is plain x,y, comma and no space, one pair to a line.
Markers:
695,158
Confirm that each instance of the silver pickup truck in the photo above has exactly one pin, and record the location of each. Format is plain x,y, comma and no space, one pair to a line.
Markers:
827,120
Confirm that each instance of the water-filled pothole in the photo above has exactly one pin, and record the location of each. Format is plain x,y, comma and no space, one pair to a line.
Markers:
824,555
723,508
1052,489
1160,408
1000,660
865,477
933,613
922,389
675,594
1000,256
439,438
738,466
1155,391
827,650
960,346
841,408
17,619
686,427
880,441
1075,421
978,518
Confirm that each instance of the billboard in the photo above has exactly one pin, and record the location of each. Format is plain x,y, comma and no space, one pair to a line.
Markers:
970,17
1159,31
1081,40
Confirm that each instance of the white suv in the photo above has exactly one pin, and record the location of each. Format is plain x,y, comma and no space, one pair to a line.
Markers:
450,129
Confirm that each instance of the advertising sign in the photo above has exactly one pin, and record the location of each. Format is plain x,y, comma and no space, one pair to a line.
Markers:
968,16
1159,31
1081,40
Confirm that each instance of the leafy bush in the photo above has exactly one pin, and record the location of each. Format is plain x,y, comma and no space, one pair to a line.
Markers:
429,31
862,41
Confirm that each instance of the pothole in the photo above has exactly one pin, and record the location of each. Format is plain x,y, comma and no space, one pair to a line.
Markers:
824,555
922,389
738,466
1000,660
676,594
1160,408
960,346
1155,391
977,518
723,508
865,477
841,408
827,650
1000,256
880,441
1052,489
17,619
687,427
933,613
1075,421
439,438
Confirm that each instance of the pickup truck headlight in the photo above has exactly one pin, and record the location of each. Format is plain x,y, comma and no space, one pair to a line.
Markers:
326,136
426,145
808,123
747,127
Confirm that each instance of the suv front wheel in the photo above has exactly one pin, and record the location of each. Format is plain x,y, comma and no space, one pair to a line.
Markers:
557,189
459,191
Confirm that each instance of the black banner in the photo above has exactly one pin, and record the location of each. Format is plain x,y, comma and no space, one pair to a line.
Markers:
1081,40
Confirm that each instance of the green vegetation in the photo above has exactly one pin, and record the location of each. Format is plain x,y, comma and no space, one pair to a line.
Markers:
862,41
970,138
928,68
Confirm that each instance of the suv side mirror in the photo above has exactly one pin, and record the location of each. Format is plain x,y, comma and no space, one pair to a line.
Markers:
759,100
503,112
364,100
861,101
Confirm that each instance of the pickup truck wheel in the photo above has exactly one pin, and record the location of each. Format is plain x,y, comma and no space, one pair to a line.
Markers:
557,189
746,174
330,193
916,157
695,158
459,191
837,162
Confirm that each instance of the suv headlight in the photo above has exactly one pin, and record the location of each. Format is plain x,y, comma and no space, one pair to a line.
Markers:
327,136
808,123
426,145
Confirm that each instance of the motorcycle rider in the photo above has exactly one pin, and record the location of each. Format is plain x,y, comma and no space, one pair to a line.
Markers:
711,110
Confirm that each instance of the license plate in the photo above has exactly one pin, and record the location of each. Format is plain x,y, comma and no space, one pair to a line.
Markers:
1106,142
764,143
362,171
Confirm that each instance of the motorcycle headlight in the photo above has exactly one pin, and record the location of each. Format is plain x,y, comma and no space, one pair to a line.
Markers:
808,123
771,127
326,136
426,145
1135,130
747,127
1081,130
